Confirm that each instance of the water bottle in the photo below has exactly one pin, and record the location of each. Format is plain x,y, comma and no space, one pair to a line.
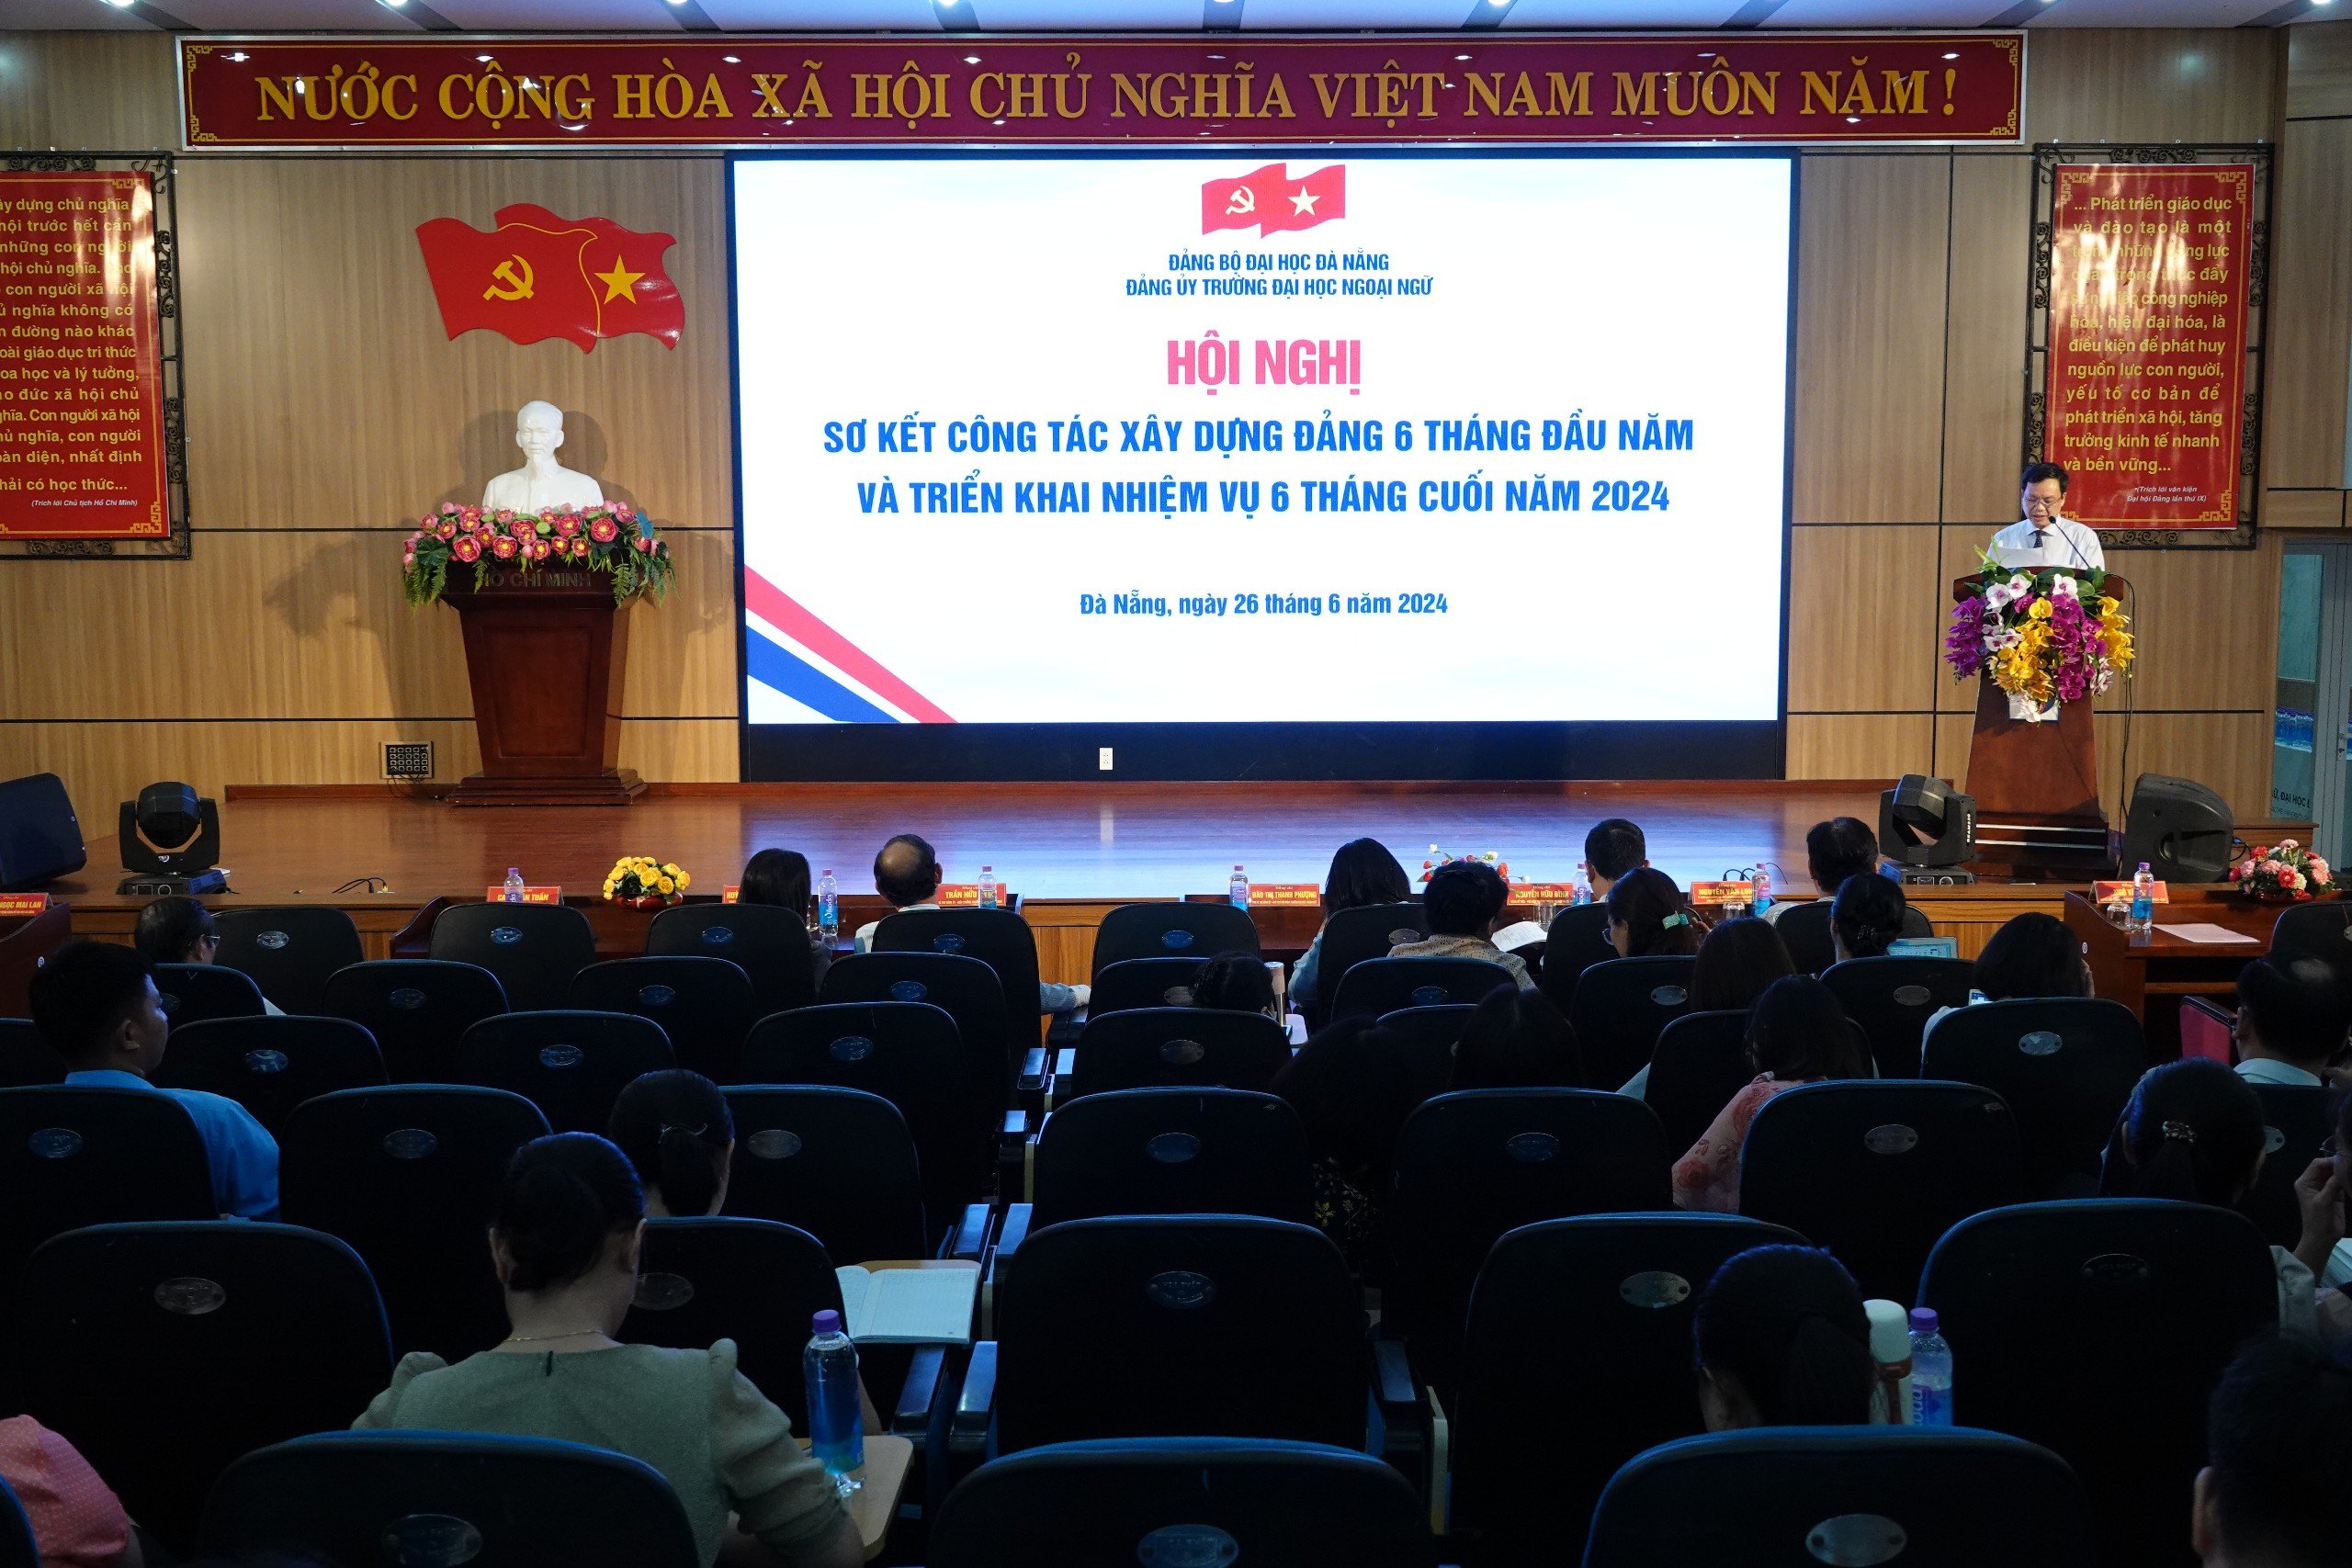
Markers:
1236,887
1762,897
836,1422
988,887
1584,883
1930,1371
513,891
828,908
2144,901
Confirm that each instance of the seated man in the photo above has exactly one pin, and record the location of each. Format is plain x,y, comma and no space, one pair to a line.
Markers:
2293,1014
1462,902
906,872
1834,851
97,1006
176,928
2281,1439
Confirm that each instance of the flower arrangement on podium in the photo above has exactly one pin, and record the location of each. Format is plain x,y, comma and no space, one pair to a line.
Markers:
643,883
2284,873
2046,636
612,536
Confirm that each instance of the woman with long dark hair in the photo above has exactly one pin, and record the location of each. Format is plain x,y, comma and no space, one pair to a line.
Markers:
1781,1339
1648,916
780,877
1363,874
1797,1033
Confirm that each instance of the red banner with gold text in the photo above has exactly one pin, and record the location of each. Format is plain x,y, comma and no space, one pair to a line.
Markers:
575,94
81,368
2144,381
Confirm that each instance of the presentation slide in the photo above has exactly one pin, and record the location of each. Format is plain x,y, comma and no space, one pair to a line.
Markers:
1326,437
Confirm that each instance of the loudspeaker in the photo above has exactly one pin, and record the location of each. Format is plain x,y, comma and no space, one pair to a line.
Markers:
1926,822
39,836
2182,828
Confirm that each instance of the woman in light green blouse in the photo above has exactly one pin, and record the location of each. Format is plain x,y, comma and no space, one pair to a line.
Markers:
565,1238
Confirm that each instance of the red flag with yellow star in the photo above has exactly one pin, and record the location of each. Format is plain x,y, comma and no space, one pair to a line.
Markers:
539,276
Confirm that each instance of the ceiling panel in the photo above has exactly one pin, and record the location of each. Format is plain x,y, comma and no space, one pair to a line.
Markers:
288,16
1156,15
824,16
1622,15
94,16
1327,15
525,16
1885,13
2150,13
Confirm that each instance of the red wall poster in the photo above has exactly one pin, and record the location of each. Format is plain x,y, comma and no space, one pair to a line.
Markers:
2144,379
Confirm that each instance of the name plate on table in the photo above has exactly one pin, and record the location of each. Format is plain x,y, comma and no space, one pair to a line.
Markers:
1544,892
1719,895
530,895
2121,893
966,895
727,893
1286,895
15,904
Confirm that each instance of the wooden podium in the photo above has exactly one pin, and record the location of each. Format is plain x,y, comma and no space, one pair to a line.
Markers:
2038,814
544,655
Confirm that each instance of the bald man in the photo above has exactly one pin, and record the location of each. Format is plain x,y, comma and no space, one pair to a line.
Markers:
906,872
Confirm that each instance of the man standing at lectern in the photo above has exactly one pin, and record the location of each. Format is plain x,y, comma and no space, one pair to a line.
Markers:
2044,538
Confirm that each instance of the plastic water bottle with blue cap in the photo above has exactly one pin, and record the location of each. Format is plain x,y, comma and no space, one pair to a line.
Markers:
513,891
988,887
828,908
1762,897
1236,887
2143,918
1930,1371
836,1420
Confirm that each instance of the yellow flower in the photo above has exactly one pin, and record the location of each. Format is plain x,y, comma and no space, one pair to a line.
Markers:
2039,610
685,881
666,885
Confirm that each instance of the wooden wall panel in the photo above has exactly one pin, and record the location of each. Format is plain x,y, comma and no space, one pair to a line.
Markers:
1870,265
1984,421
2229,752
2319,69
88,91
2152,84
1863,624
1859,745
2303,509
2208,622
2310,309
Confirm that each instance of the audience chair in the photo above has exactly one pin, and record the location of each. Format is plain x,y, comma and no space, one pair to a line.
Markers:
908,1052
2163,1293
1171,1151
2298,1120
1877,1171
2315,931
1804,932
572,1065
1184,1500
1576,1357
967,990
769,942
290,949
837,1162
1578,940
1380,986
1699,1063
70,1157
1620,1007
1174,1048
1172,931
17,1548
1428,1036
1476,1163
164,1351
27,1059
1144,982
1355,936
417,1008
998,937
534,949
754,1282
269,1065
2065,1065
1891,999
442,1497
1936,1497
407,1176
704,1005
192,993
24,949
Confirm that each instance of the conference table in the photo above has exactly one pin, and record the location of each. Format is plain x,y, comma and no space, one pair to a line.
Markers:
2151,973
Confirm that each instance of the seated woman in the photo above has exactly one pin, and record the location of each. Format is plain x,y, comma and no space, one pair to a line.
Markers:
1797,1033
564,1238
1352,1087
2194,1131
1648,917
675,1127
76,1519
1737,961
1363,874
1782,1340
1238,981
2030,955
1834,851
176,928
1866,916
1517,1039
781,877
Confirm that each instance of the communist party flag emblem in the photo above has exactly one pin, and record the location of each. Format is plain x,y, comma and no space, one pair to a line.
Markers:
537,275
1271,201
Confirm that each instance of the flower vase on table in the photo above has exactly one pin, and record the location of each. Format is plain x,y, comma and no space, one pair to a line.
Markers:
2284,873
640,881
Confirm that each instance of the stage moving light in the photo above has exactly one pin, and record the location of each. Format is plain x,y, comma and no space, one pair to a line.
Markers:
2182,828
171,843
1926,822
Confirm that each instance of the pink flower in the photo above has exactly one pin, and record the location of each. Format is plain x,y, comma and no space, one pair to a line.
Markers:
505,515
408,555
603,531
539,549
468,524
644,544
504,548
623,511
467,548
450,509
448,530
578,549
566,523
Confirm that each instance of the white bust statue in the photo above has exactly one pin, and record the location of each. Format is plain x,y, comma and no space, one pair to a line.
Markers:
541,481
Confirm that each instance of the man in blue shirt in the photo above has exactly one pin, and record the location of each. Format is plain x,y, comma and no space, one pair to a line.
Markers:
97,1006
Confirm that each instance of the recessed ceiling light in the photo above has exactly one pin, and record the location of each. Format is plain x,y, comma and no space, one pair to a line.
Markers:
971,59
1461,57
1953,55
120,5
239,58
482,59
732,58
1853,120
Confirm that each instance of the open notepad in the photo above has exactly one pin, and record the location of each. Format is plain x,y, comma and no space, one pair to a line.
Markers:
919,1303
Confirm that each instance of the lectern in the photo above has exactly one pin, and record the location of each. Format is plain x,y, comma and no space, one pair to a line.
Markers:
544,654
2038,816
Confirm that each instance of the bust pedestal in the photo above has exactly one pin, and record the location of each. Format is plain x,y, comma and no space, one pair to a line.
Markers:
544,655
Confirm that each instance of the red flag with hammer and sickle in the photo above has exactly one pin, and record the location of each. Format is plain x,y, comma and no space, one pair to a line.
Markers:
537,275
1271,201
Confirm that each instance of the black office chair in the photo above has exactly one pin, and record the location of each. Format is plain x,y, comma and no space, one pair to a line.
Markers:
1699,1063
417,1008
2167,1293
1933,1496
968,991
1178,1325
191,993
1426,1036
290,949
17,1548
1176,1500
1354,936
754,1282
164,1351
704,1005
1891,999
1876,1171
70,1157
1590,1314
27,1059
1172,931
1378,986
409,1176
534,949
1578,940
837,1162
2298,1120
1144,982
1476,1163
770,943
1172,1151
1621,1005
269,1065
998,937
2316,931
908,1052
2065,1065
1176,1047
572,1065
444,1497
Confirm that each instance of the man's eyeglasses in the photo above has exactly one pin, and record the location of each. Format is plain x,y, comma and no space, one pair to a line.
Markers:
2035,503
